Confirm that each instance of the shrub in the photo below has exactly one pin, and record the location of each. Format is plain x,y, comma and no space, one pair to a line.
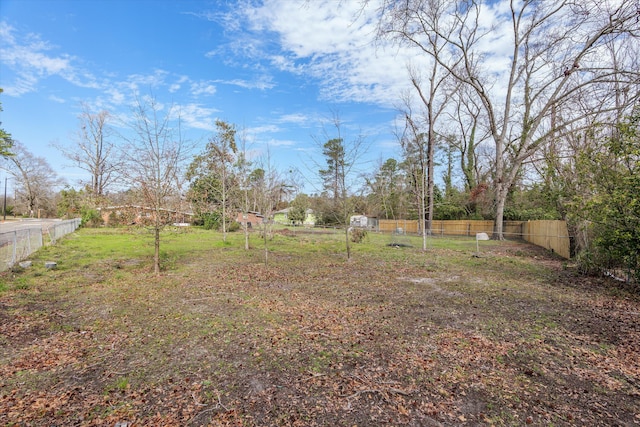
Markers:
113,219
613,176
209,220
358,235
91,218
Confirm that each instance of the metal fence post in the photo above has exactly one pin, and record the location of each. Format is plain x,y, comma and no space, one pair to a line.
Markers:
15,243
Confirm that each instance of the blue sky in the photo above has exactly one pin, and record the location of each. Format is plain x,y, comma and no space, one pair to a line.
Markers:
275,68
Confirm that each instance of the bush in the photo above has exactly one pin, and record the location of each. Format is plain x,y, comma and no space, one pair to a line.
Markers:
613,176
233,226
450,212
91,218
358,235
209,220
588,263
113,219
529,214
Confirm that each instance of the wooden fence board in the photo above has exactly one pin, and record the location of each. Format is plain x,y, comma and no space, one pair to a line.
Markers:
399,225
552,235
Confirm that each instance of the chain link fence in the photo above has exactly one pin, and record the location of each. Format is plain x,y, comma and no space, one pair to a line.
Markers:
60,229
17,245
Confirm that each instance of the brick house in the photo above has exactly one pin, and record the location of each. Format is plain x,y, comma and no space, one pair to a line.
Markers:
250,218
132,214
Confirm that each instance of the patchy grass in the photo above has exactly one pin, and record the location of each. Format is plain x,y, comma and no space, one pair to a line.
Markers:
396,336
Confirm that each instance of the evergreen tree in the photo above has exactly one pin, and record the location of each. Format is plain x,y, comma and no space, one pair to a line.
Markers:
6,142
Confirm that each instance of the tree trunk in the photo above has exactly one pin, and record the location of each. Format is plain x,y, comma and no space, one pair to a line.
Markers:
156,256
246,233
246,205
501,198
224,204
266,246
423,209
346,236
430,167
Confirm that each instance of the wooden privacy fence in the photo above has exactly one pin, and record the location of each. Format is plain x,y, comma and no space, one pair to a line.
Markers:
438,227
552,235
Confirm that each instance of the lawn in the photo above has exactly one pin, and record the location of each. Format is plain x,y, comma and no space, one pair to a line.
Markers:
394,336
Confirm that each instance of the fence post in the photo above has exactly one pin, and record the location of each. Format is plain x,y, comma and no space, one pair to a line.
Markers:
15,243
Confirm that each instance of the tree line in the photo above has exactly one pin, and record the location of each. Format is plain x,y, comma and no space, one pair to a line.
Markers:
536,118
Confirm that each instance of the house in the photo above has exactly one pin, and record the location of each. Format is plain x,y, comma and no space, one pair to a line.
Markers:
358,221
250,218
363,221
141,215
282,217
310,218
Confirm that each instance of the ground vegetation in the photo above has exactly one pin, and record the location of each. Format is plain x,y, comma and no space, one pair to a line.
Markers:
393,337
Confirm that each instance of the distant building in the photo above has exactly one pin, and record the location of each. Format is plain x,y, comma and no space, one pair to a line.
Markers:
250,218
141,215
282,217
363,221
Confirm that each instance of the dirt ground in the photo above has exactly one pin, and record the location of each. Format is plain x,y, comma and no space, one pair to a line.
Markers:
399,337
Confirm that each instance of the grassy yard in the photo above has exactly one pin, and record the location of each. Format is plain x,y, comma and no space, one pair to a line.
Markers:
395,336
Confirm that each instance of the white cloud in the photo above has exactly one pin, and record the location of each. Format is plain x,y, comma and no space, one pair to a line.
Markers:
202,88
57,99
24,83
116,97
280,143
297,118
178,84
260,136
333,42
315,28
261,82
196,116
263,129
30,58
145,82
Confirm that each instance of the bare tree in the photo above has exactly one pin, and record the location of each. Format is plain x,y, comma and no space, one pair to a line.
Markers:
553,53
560,163
35,181
416,160
268,184
242,166
434,98
467,134
431,89
94,151
154,157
